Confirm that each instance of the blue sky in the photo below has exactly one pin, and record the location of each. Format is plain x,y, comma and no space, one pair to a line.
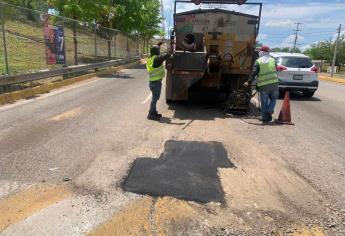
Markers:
320,20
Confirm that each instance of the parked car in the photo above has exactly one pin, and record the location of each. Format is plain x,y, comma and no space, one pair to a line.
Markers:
296,72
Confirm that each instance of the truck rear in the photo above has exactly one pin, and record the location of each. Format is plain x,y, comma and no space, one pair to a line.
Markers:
212,49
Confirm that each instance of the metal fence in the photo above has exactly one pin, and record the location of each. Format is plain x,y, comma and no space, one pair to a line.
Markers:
23,41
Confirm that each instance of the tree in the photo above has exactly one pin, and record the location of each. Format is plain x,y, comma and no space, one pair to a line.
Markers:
31,4
41,5
324,50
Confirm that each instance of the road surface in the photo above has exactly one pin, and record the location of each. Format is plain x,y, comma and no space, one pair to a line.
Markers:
83,160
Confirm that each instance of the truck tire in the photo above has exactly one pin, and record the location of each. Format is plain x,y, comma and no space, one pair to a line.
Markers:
308,94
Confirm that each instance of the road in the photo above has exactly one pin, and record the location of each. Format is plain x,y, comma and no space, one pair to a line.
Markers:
84,160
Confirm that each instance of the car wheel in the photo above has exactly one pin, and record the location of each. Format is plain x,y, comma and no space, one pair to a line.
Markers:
308,94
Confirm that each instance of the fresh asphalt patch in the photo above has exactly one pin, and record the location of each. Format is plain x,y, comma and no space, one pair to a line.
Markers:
186,170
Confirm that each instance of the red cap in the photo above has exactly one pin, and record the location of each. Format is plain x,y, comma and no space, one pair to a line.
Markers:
265,49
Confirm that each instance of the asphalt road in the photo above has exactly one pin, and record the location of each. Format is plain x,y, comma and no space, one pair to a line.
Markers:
216,174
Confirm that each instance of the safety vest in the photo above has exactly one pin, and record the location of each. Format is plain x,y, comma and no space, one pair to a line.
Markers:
155,73
268,73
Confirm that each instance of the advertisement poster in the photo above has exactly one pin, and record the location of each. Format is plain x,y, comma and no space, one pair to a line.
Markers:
54,42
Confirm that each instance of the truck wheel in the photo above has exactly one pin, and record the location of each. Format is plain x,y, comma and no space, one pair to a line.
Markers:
308,94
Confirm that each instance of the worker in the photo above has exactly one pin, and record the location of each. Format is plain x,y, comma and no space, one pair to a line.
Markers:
156,71
265,70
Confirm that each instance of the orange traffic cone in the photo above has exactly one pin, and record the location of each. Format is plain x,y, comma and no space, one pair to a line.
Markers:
285,113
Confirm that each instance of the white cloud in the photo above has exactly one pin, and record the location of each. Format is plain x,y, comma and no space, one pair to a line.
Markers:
262,36
289,41
315,15
280,23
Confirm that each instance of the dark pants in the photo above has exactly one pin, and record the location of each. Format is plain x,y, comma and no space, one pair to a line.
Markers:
155,87
268,102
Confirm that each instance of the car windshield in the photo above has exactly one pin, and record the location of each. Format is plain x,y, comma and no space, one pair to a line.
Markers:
295,62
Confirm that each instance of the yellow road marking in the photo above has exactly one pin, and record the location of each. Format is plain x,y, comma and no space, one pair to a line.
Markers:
23,204
335,79
147,217
307,231
67,115
132,221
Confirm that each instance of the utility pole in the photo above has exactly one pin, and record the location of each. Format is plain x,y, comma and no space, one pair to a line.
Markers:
335,51
296,36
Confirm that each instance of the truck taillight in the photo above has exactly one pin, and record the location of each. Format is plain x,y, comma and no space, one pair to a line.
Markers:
315,69
281,68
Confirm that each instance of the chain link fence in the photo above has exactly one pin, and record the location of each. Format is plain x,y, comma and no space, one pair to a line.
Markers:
27,42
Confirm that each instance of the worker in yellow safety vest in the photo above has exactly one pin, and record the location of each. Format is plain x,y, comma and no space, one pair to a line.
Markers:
156,72
265,70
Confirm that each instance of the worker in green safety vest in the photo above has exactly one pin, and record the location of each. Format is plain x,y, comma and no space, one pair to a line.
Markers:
265,70
155,68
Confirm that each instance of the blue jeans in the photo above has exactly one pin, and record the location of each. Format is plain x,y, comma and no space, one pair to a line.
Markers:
268,103
155,87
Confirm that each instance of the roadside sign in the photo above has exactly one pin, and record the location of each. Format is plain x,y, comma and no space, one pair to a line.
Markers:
54,43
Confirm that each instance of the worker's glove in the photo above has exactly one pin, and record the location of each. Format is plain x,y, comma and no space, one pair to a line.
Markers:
246,84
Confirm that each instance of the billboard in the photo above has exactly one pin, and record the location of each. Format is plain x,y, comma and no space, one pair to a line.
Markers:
54,44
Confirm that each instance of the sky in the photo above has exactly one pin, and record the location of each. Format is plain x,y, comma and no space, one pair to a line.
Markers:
320,20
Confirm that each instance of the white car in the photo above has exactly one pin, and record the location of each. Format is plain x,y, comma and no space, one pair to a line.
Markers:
296,72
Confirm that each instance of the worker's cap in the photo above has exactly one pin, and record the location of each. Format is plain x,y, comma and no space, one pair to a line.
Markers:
155,50
265,49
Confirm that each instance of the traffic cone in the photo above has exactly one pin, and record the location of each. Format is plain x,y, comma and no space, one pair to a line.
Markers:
285,113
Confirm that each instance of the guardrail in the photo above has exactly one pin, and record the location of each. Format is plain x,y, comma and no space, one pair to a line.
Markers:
22,78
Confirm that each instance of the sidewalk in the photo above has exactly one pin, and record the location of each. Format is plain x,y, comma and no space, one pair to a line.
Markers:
337,78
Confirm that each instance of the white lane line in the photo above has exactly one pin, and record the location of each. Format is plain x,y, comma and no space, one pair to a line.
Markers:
147,99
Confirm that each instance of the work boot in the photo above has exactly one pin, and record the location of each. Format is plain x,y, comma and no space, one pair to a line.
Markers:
159,115
153,116
269,117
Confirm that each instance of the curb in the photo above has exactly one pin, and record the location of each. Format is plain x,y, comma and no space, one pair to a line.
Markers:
12,97
329,79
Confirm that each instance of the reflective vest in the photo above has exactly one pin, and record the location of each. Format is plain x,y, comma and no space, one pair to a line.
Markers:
268,73
155,73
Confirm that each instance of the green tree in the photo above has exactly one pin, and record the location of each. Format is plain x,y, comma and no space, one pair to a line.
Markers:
41,5
324,50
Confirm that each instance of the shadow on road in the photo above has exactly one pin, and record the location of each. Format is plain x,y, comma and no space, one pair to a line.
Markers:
169,121
298,96
197,110
117,75
186,170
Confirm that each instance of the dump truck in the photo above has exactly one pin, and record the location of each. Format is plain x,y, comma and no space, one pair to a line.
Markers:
213,49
